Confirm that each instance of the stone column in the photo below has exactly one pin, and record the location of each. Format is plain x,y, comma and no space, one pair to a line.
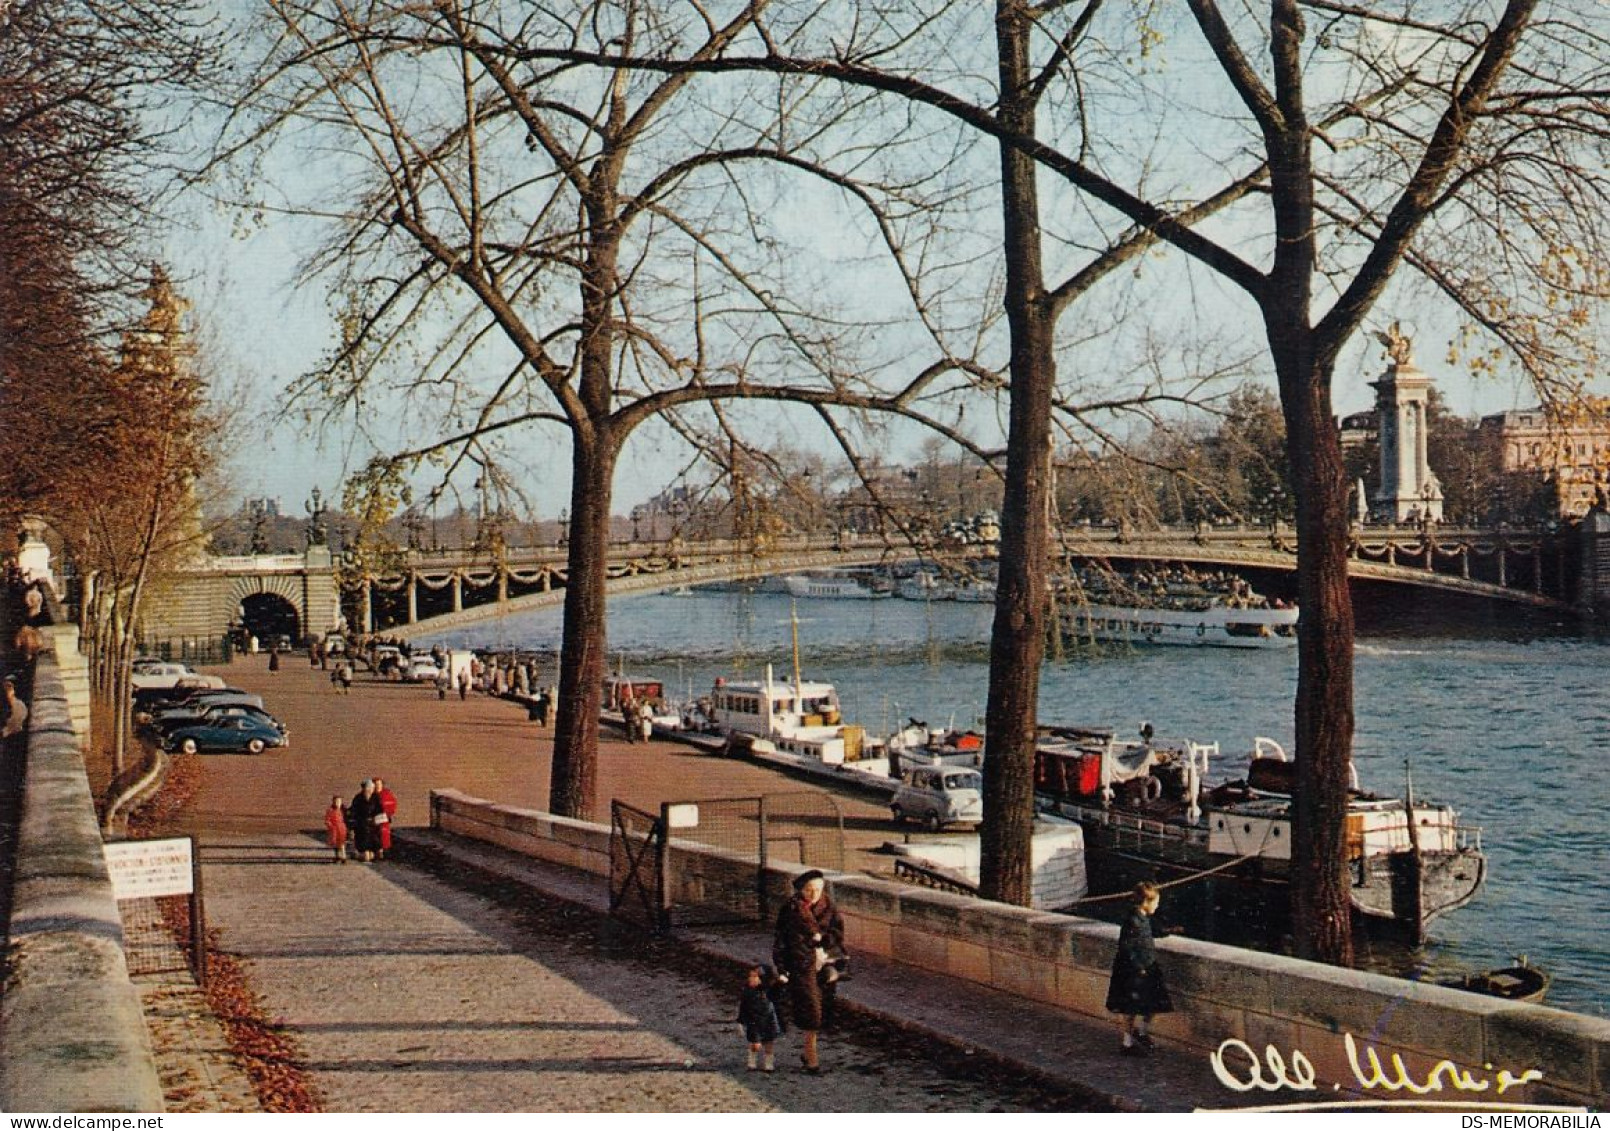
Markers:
413,597
1408,485
458,592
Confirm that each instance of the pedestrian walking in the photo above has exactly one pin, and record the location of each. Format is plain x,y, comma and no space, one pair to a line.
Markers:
463,684
388,813
1138,990
808,948
335,829
345,672
361,814
757,1016
274,658
629,718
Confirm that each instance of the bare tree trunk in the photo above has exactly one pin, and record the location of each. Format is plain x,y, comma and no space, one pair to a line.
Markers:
1017,643
1321,915
119,686
581,669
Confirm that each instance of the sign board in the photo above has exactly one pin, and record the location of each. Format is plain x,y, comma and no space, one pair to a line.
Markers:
683,816
143,869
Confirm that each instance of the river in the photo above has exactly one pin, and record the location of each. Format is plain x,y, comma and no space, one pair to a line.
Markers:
1511,725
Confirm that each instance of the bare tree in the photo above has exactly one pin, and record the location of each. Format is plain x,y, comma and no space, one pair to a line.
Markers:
613,247
1470,148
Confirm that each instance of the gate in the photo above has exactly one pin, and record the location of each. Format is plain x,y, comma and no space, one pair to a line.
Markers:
637,861
721,879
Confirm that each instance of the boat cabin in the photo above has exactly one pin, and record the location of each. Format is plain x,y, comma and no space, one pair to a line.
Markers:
802,719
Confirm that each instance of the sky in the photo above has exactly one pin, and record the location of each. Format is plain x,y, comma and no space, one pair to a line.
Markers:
262,330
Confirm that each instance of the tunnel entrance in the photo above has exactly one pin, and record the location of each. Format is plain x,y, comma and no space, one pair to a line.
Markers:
268,616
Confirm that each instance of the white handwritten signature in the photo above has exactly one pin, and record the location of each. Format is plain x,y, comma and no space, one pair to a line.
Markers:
1240,1069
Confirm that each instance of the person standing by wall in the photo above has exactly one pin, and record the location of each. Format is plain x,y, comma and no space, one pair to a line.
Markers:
15,726
1138,990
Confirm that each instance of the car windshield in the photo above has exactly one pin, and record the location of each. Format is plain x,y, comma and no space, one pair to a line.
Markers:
963,781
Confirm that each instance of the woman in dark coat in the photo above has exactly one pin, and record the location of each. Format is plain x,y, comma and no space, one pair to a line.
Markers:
361,820
1137,990
808,924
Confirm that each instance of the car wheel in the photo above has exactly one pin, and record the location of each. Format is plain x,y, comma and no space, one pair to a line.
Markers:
899,814
255,746
932,822
188,746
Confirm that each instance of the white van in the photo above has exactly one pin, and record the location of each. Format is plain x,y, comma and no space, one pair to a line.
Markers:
938,796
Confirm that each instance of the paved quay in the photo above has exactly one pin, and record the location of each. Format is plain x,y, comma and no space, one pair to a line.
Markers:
460,977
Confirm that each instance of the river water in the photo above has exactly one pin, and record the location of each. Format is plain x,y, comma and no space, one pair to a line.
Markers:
1511,725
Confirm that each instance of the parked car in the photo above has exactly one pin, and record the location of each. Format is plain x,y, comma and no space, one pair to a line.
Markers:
231,735
422,668
938,796
153,699
207,700
206,715
148,674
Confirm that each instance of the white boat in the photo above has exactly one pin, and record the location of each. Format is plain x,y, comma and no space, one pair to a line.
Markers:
800,720
925,585
1217,624
798,723
834,586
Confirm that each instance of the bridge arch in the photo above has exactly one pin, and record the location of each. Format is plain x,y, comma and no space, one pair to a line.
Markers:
268,614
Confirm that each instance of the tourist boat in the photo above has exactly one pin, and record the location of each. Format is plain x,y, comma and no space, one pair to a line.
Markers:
1149,814
1181,611
1520,982
926,585
833,586
1214,625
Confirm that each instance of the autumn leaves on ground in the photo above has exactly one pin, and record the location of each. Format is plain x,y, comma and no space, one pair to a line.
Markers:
267,1052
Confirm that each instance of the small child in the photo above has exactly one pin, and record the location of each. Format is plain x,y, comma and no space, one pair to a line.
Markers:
758,1016
1138,990
335,827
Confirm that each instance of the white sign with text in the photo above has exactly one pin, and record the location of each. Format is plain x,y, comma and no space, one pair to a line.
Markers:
143,869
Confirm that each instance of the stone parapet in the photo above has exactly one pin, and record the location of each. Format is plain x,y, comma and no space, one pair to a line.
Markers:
1407,1039
73,669
71,1025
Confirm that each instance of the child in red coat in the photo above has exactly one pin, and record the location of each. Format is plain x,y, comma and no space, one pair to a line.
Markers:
335,828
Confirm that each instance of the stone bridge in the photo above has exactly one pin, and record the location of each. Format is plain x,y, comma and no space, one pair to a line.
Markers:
428,592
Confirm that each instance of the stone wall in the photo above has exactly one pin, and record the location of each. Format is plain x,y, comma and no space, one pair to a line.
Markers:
1221,993
71,1027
